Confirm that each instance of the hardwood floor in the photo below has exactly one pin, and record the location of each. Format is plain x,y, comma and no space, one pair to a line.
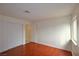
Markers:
34,49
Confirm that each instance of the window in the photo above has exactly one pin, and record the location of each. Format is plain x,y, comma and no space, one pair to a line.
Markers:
74,30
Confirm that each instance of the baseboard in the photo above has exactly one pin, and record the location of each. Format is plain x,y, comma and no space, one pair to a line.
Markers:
50,45
10,49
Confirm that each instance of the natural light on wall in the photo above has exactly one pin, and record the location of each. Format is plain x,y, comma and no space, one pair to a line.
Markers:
74,30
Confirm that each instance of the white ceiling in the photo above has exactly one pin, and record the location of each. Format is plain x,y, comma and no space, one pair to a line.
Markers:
38,11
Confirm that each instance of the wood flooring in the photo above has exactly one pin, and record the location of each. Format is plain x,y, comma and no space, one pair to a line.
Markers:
35,49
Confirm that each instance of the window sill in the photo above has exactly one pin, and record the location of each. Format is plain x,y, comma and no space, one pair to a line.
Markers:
74,42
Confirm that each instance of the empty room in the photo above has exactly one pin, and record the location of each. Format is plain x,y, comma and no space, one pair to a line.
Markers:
39,29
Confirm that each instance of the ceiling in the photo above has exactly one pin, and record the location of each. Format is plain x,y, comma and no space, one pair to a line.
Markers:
38,11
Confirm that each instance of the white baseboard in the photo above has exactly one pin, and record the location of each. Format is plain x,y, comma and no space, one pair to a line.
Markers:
49,45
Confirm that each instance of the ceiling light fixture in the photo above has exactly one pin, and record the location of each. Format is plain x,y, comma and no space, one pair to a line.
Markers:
27,11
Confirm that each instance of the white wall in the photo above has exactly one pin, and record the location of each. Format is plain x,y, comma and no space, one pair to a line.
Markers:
53,32
0,34
78,30
11,32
